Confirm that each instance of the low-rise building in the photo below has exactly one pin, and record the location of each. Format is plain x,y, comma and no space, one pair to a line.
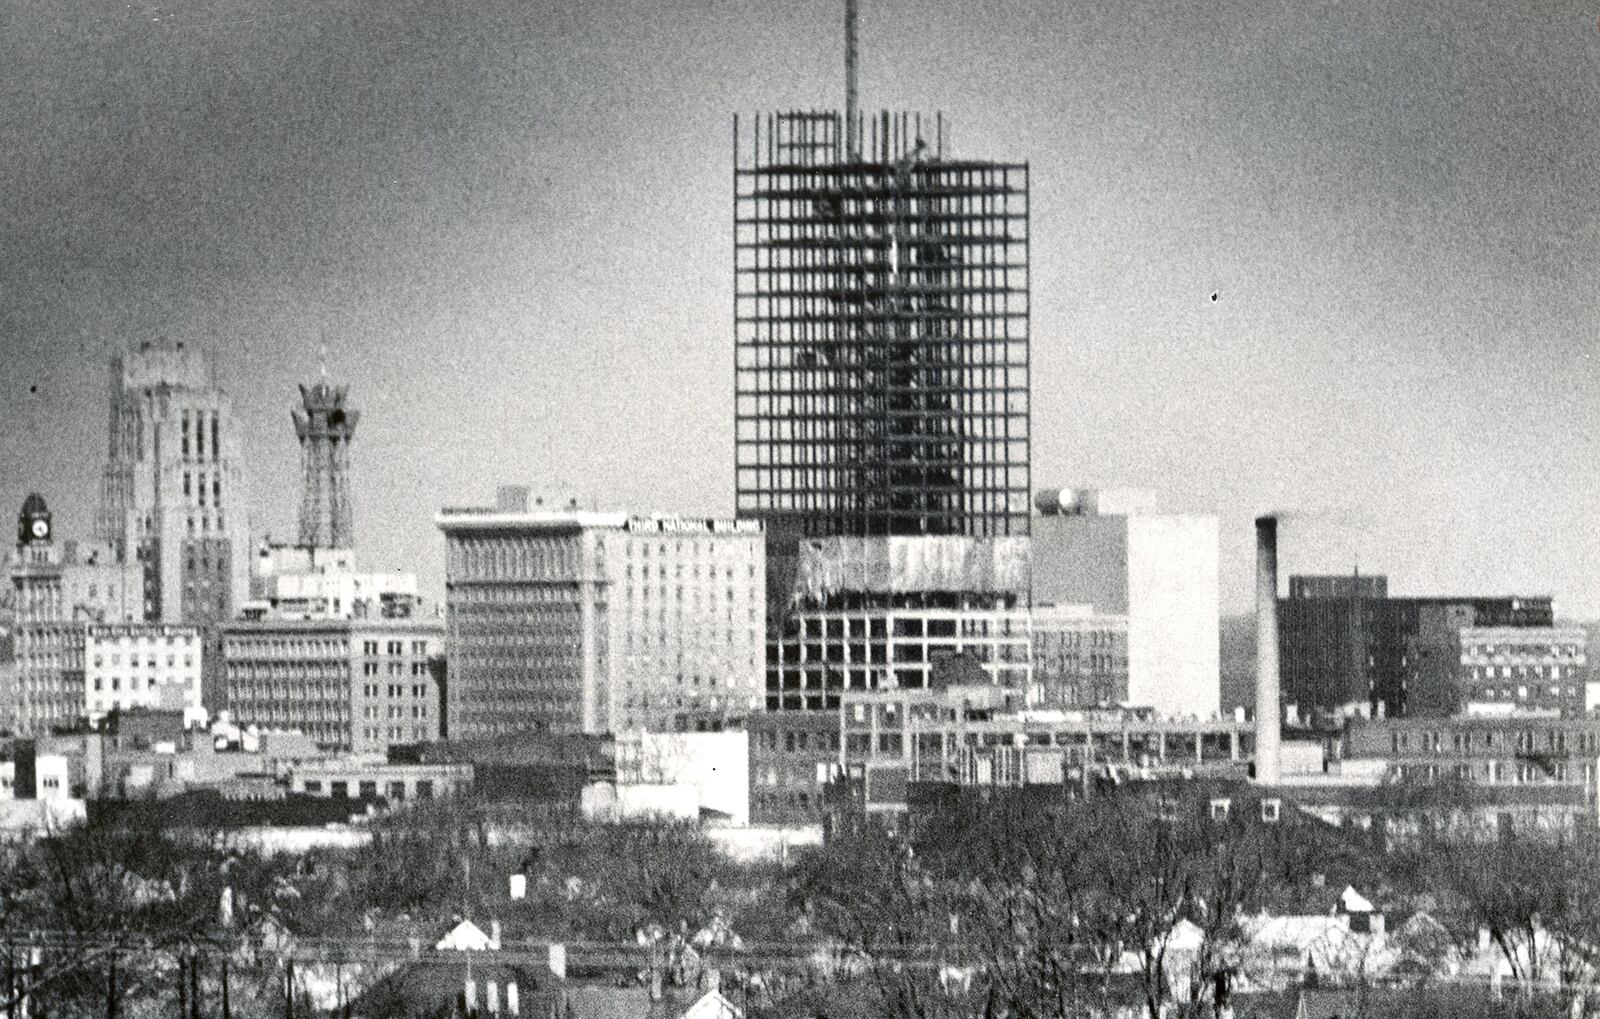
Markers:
794,755
298,582
692,775
1115,551
982,735
372,779
1506,669
143,665
1516,750
354,685
1080,657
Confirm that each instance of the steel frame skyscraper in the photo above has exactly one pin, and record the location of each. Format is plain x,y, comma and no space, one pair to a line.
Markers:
882,330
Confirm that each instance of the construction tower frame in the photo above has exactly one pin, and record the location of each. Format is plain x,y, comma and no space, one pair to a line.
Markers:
882,317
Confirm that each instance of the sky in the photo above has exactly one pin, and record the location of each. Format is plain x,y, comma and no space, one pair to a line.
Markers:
510,224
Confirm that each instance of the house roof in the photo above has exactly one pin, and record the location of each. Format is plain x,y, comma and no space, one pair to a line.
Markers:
465,936
713,1006
1352,901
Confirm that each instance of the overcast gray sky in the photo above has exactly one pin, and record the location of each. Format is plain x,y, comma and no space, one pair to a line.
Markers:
510,221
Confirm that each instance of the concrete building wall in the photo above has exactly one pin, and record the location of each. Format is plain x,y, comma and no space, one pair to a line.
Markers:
367,780
172,494
1174,604
520,656
830,652
350,685
1523,668
715,765
338,594
579,621
793,755
143,665
58,591
687,612
291,674
1080,658
394,694
1516,751
1081,560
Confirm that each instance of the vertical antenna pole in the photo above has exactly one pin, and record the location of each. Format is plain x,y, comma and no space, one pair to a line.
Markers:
851,58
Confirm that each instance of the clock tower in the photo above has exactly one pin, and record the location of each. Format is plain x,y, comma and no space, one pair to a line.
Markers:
33,524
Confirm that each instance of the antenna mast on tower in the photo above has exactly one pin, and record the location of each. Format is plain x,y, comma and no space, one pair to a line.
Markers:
852,143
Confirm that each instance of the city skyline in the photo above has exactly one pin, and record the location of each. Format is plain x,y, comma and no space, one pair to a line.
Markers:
1403,194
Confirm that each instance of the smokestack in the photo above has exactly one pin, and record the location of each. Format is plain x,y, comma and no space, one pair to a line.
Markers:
852,146
1268,734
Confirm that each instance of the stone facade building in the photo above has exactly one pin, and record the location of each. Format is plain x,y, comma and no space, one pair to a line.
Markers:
352,685
571,620
142,665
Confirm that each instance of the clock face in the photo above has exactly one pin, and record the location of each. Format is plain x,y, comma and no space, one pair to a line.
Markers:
41,528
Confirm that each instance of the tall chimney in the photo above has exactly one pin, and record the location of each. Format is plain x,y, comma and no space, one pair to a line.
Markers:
1268,720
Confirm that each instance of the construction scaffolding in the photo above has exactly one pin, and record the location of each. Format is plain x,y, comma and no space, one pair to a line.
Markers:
882,318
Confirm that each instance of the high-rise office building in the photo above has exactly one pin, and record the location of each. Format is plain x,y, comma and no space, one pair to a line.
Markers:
172,498
568,619
325,424
881,311
881,383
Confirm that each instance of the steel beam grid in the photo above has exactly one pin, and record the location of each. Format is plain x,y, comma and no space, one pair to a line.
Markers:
882,331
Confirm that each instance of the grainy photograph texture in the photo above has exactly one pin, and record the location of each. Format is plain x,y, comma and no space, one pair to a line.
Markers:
826,509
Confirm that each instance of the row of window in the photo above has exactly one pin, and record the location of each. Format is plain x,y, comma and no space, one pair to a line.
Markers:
395,669
133,683
798,741
198,491
150,661
394,647
1542,651
1500,772
1521,671
368,790
1522,740
199,446
393,690
394,711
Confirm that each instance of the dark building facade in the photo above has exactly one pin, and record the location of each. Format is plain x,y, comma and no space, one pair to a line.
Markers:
1345,643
